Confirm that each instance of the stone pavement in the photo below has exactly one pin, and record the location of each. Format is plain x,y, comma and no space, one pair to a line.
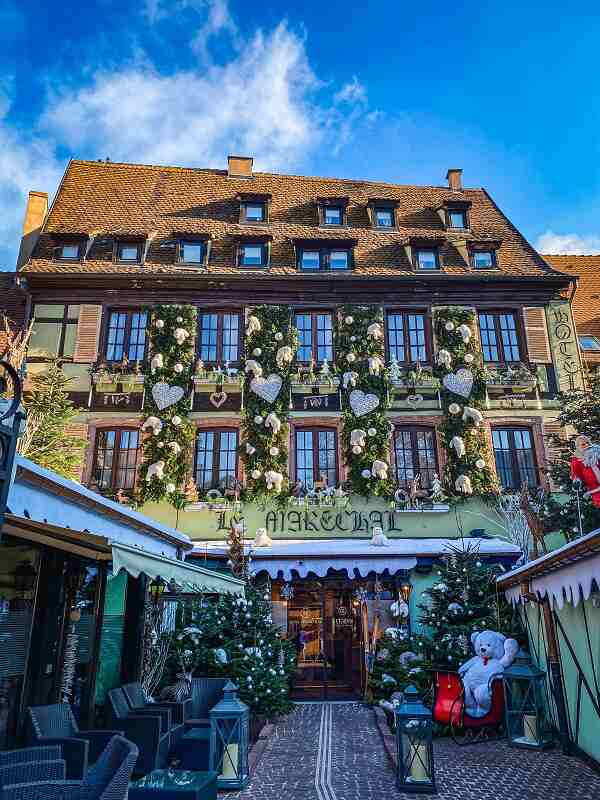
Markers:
333,751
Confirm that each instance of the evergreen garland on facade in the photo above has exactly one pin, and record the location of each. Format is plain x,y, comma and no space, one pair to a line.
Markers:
361,365
270,347
459,361
167,446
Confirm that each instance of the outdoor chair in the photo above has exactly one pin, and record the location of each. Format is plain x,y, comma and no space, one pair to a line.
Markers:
206,693
55,724
137,702
147,731
108,779
31,764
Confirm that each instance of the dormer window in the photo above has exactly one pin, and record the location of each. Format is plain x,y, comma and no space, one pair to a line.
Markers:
483,254
426,258
455,214
332,211
457,219
129,252
254,208
382,214
69,252
384,217
319,256
193,252
254,252
254,212
333,215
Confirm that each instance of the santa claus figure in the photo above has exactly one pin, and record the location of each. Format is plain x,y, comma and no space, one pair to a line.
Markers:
585,466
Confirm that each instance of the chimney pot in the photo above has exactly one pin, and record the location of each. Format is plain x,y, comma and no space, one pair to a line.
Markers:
239,166
454,177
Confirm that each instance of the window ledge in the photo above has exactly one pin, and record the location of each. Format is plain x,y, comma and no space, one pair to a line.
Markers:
437,508
101,376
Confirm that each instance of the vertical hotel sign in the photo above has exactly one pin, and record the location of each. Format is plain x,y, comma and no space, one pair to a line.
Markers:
565,350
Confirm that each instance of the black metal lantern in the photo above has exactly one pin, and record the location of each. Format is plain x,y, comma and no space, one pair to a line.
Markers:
528,722
414,745
405,589
24,575
229,735
156,588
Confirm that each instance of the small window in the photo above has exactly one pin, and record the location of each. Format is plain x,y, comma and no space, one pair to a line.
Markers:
192,252
333,215
457,219
384,218
310,259
415,455
316,456
216,459
426,259
589,343
253,255
69,252
254,212
515,457
128,252
324,259
339,259
116,459
126,335
484,259
315,334
219,335
406,337
54,331
499,337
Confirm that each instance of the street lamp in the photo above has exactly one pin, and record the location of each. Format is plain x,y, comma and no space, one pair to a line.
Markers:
414,745
156,588
229,734
528,724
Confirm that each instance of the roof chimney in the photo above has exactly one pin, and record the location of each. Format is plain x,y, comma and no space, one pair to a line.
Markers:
35,214
454,177
239,166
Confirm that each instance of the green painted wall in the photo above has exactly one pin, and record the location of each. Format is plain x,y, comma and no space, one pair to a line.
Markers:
111,643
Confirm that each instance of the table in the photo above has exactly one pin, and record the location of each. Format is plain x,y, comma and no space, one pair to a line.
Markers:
175,784
193,749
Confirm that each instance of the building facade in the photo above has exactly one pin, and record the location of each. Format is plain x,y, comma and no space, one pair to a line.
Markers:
427,343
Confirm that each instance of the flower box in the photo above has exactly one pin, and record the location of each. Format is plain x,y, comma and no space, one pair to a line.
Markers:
211,382
104,377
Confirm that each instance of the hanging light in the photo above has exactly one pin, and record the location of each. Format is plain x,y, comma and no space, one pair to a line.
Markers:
24,575
156,588
405,588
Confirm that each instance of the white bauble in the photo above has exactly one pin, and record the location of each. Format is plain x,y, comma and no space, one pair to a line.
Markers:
480,463
160,444
366,473
449,326
274,451
176,420
257,352
469,358
256,473
349,320
160,323
454,408
178,368
258,420
372,432
357,450
170,488
350,358
179,319
353,338
278,336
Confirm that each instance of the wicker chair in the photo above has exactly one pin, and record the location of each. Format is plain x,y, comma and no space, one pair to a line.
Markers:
206,693
178,711
148,731
27,767
108,779
55,724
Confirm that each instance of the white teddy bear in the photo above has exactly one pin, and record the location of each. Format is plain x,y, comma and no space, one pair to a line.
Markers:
254,367
463,484
379,470
376,364
285,356
180,335
262,538
375,331
444,359
154,424
472,414
358,437
350,378
157,362
379,539
274,480
493,653
459,445
254,325
272,421
465,333
156,470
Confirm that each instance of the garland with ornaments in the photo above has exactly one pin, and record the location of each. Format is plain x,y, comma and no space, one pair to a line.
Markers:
459,368
168,443
270,347
365,428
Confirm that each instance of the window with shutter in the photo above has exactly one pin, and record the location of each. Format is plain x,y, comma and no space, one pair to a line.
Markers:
88,334
552,450
536,334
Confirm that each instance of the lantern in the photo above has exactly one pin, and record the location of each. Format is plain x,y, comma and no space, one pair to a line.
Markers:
156,588
528,721
406,588
24,575
414,743
229,733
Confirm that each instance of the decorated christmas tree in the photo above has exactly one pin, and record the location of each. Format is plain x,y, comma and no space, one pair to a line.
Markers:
396,666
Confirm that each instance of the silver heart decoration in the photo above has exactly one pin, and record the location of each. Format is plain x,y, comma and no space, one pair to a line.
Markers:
414,400
267,388
362,403
166,395
459,382
217,399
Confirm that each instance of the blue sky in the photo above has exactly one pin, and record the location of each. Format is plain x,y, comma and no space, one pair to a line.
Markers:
387,91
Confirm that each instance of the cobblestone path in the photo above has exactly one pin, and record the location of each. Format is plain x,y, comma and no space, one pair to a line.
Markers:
333,751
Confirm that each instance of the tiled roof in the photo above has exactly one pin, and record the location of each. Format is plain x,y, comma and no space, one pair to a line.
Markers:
112,199
586,303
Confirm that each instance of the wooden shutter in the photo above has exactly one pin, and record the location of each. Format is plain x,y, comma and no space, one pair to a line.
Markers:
536,333
88,334
551,451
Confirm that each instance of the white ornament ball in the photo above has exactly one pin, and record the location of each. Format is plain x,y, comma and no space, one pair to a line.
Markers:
179,319
278,336
454,408
170,488
480,463
256,473
160,444
274,451
178,368
350,358
469,358
353,338
160,323
257,352
372,432
349,320
176,421
357,449
366,473
258,420
449,326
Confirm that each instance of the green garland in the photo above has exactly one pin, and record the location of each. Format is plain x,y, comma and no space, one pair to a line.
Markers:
264,450
354,347
474,464
171,441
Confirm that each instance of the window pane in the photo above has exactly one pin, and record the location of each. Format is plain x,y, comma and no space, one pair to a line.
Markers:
426,259
396,336
589,343
105,448
310,259
69,340
230,336
333,215
137,336
503,459
510,341
339,259
324,337
416,335
116,336
426,457
384,217
208,337
489,343
404,457
49,311
128,252
457,219
483,259
304,325
255,212
227,459
326,457
45,339
252,255
192,252
525,457
69,251
204,459
127,460
304,458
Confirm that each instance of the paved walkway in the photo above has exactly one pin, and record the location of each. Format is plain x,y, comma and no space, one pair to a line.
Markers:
333,751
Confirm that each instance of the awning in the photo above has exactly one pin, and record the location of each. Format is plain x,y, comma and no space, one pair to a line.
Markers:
192,579
289,568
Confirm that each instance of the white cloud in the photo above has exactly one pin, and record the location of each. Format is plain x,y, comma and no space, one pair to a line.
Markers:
569,244
354,92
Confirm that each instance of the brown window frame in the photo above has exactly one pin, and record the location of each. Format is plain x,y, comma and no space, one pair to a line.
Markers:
335,202
413,430
63,322
491,250
457,209
183,240
116,452
240,340
316,429
406,312
129,310
265,249
435,249
324,257
497,313
513,450
314,334
78,243
120,243
243,215
217,431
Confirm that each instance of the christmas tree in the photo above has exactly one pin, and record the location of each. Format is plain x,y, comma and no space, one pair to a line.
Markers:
464,599
397,666
235,637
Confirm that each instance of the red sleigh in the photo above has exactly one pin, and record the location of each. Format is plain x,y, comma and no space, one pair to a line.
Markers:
449,709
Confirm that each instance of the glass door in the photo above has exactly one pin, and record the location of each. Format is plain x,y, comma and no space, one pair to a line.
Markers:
305,629
342,625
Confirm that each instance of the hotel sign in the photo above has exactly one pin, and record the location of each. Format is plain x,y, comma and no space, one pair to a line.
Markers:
565,350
